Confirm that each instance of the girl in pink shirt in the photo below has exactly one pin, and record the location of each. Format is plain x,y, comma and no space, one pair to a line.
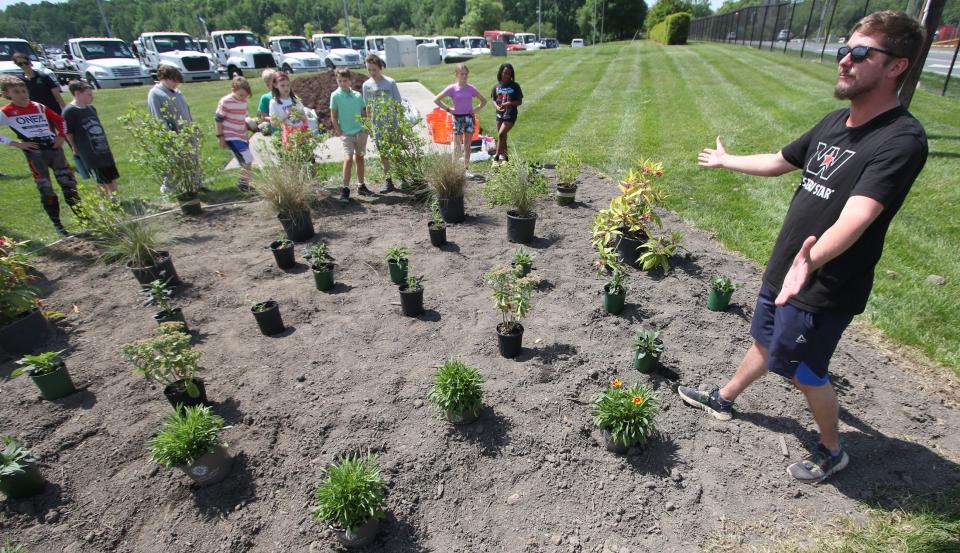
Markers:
462,94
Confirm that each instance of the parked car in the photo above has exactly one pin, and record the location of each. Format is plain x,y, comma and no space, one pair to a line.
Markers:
551,43
294,54
528,41
375,44
731,36
11,46
785,35
358,44
576,43
506,37
239,51
107,62
178,50
475,44
450,49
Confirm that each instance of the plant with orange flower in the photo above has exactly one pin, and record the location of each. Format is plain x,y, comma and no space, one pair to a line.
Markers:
627,414
17,296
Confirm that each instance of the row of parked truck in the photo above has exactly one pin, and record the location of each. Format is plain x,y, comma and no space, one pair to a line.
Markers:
113,63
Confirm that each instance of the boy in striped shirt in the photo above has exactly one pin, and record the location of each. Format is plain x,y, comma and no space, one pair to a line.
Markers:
232,126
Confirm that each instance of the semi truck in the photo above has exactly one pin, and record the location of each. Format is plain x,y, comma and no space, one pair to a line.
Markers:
239,51
106,62
178,50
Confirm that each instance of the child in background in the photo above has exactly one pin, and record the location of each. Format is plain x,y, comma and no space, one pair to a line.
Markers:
286,110
85,133
464,123
232,126
380,86
346,109
41,133
508,96
263,108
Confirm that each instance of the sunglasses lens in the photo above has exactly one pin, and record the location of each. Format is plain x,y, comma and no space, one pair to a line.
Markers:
859,53
842,52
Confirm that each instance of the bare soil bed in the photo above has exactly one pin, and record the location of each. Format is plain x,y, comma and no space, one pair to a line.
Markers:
315,91
352,373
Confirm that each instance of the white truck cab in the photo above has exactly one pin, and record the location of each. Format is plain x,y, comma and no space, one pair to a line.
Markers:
239,51
529,41
294,54
11,46
475,44
376,44
178,50
335,51
107,62
450,49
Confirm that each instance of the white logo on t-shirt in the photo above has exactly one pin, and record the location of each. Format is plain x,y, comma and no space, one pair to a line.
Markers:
827,160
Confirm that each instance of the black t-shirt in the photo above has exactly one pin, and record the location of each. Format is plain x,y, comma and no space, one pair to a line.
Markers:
879,160
88,135
41,88
506,93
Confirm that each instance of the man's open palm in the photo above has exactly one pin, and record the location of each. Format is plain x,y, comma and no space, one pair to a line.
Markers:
712,158
798,273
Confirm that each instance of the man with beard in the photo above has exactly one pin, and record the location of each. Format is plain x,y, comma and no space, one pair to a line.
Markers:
857,166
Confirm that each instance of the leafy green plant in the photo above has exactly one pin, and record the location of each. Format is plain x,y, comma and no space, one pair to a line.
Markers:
456,387
396,254
722,284
170,157
648,342
414,283
39,365
160,295
117,235
318,255
299,151
436,218
626,413
166,358
511,295
351,493
10,548
397,141
515,184
658,250
283,243
188,434
522,257
569,166
609,266
17,296
445,176
14,460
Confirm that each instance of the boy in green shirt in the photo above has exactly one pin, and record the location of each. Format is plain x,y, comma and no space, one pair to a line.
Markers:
346,108
263,108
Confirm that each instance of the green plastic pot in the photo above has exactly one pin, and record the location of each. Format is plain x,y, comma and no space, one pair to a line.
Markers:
645,364
398,271
55,385
718,301
323,278
27,483
613,303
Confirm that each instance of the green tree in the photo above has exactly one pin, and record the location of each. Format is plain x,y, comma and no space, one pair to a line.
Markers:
482,15
512,26
663,8
356,28
546,29
308,30
278,24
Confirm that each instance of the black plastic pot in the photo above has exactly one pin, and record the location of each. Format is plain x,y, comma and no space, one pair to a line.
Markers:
210,468
190,203
269,319
174,315
176,394
438,236
411,303
566,195
162,270
451,209
512,343
283,256
298,227
628,248
520,229
25,334
360,536
398,271
27,483
55,385
323,278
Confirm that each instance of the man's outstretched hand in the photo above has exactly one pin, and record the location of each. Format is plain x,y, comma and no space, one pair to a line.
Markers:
798,273
712,158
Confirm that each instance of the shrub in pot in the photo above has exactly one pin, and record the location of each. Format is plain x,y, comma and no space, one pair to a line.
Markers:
322,263
397,259
522,262
568,171
448,182
190,441
48,372
267,315
625,416
512,296
411,296
456,391
398,142
19,475
437,227
518,185
23,326
721,288
282,249
350,499
288,188
647,350
160,295
168,359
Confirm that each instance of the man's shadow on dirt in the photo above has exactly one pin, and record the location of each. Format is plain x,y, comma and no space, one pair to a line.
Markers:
490,433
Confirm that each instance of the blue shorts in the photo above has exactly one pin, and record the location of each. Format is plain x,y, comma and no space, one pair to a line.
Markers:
800,343
241,151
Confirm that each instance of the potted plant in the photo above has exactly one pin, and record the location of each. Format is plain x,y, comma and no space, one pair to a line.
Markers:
518,185
658,250
48,372
190,441
397,259
456,391
159,295
267,315
19,474
282,249
437,227
287,188
23,326
447,180
411,296
721,288
625,415
648,348
512,296
350,499
568,171
608,265
398,142
319,258
168,359
522,262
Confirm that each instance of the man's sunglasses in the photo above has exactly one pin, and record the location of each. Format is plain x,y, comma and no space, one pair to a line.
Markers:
860,53
23,63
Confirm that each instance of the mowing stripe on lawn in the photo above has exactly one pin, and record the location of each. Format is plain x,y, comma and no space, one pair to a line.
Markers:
620,155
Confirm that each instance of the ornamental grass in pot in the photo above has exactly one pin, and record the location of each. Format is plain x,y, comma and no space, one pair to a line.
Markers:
625,416
457,391
169,359
447,183
288,188
397,260
190,441
568,169
350,499
49,372
160,295
518,185
721,289
512,295
19,475
648,347
23,326
322,263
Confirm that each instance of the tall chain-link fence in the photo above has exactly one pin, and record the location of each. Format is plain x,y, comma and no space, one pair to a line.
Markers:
816,28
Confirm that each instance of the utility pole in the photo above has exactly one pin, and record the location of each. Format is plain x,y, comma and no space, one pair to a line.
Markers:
594,30
539,25
930,19
106,23
346,17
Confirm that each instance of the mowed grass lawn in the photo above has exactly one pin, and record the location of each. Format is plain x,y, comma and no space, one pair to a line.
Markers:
621,102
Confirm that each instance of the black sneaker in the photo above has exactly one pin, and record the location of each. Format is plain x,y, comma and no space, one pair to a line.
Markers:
344,195
363,190
712,403
819,466
243,186
387,186
61,232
